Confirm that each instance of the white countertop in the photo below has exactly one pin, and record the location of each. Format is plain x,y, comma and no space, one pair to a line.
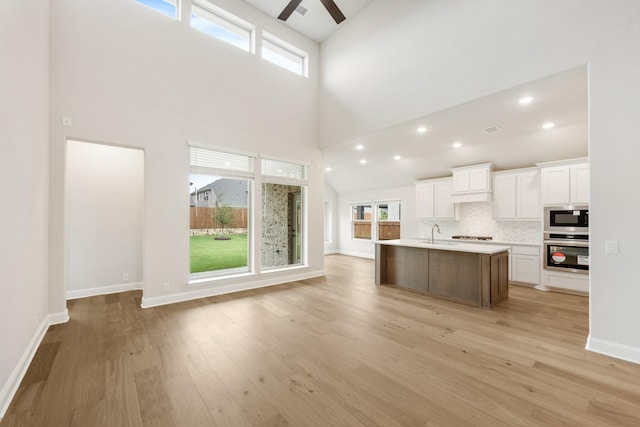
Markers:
477,248
482,242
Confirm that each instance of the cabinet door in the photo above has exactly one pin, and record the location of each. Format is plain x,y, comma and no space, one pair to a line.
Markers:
461,181
579,177
504,196
525,268
528,196
555,185
424,201
444,206
479,180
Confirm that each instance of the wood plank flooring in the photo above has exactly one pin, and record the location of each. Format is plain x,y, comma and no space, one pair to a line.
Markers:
333,351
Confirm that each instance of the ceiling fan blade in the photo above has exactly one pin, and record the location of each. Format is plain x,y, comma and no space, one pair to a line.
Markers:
334,10
288,10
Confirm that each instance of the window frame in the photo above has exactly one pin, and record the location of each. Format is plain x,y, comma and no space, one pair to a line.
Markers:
174,3
287,173
287,51
215,15
378,221
354,221
248,175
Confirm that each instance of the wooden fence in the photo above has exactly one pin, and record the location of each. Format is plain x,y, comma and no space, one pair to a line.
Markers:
205,218
387,230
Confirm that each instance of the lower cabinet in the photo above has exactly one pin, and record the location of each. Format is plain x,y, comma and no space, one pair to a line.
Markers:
525,264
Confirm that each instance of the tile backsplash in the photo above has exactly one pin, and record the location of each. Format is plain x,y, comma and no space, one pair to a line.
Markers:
476,219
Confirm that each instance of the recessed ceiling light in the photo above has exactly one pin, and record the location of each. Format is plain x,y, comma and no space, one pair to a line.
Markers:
327,169
397,157
548,125
457,144
359,147
525,100
363,161
421,129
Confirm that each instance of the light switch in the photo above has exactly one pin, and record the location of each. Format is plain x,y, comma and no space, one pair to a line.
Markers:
610,247
66,121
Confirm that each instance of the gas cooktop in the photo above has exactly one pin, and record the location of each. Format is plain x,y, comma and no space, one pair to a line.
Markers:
472,237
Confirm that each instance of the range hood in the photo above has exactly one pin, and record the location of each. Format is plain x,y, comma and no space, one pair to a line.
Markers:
472,184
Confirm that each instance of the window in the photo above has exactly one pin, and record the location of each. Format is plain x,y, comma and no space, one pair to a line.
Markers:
166,7
284,54
220,187
361,221
283,232
388,219
222,25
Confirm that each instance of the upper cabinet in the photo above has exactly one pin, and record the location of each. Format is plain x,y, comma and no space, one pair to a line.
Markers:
565,183
516,195
472,183
433,199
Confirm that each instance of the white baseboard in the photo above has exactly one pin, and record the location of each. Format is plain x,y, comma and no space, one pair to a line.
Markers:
331,251
104,290
11,386
148,302
608,348
358,254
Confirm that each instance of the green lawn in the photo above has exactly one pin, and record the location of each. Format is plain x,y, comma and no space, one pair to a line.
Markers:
208,254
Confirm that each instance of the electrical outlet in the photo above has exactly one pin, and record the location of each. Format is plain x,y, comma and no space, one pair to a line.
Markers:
125,277
166,287
66,121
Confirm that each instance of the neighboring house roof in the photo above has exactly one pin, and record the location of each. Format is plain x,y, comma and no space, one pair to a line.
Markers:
231,192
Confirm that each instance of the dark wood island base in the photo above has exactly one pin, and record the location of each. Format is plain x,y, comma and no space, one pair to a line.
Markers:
470,277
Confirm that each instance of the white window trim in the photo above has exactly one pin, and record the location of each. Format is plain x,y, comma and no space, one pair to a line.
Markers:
230,21
291,49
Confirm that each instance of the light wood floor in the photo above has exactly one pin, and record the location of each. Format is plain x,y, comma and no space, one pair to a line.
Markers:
336,351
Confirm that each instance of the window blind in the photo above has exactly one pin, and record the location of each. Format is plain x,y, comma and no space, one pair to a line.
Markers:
209,162
280,172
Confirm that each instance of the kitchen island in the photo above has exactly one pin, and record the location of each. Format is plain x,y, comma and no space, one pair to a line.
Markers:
470,273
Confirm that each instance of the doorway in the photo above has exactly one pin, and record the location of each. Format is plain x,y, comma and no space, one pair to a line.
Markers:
104,207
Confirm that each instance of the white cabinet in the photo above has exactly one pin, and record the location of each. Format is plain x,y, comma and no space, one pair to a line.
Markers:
516,195
579,184
565,184
525,264
472,179
433,199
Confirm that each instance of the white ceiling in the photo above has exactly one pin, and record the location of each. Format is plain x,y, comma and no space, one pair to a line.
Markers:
317,24
561,99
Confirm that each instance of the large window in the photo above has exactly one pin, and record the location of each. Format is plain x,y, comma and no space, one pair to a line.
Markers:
220,187
284,54
166,7
283,192
388,219
222,25
361,216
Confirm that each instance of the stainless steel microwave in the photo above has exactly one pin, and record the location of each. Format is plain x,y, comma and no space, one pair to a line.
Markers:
566,219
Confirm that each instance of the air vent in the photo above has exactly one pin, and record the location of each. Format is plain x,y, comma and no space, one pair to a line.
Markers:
492,129
302,10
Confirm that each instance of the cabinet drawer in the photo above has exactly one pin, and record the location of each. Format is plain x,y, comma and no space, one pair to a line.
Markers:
525,250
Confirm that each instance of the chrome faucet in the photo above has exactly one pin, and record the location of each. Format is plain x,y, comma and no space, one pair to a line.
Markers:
435,227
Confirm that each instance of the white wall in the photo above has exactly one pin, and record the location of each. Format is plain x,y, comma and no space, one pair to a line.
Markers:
366,248
331,222
441,53
130,76
24,118
104,213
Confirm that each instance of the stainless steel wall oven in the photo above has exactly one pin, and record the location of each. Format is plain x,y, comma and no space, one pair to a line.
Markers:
566,252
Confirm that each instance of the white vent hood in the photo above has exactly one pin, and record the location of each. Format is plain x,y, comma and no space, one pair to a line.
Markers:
472,184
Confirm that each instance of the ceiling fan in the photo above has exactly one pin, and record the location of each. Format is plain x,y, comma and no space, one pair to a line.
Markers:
330,5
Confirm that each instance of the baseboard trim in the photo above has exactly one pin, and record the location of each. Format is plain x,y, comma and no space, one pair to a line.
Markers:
104,290
357,254
612,349
331,251
11,386
149,302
